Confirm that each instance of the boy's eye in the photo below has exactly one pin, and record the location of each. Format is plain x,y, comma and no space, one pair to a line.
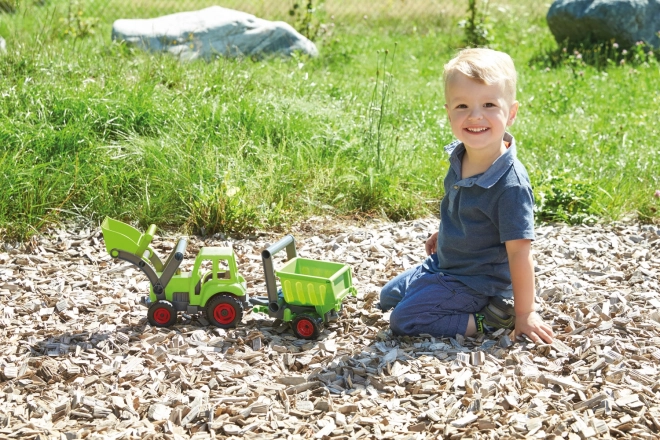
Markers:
461,106
489,105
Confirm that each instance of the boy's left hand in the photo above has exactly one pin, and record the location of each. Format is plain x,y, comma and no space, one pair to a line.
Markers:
532,325
432,244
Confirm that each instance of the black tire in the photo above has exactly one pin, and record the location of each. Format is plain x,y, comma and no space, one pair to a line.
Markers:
224,311
162,314
306,327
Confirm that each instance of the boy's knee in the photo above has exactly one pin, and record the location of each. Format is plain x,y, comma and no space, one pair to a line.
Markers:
386,302
401,322
389,298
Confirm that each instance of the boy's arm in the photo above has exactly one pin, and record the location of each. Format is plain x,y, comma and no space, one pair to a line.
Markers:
528,322
432,243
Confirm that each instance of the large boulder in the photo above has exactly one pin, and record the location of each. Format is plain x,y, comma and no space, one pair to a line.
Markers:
596,21
211,32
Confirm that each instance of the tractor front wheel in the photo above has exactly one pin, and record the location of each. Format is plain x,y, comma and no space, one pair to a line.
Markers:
306,327
162,314
224,311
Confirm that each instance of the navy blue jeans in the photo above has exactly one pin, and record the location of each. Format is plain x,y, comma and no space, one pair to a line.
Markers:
428,301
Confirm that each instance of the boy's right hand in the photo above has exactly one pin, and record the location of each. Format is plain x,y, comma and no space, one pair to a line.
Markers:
532,325
432,243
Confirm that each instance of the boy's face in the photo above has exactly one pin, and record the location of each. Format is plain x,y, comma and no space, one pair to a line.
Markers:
478,113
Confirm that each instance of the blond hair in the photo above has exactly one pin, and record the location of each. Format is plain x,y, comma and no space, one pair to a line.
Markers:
486,66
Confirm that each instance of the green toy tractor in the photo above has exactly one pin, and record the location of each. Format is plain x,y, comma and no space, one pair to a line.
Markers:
214,285
311,292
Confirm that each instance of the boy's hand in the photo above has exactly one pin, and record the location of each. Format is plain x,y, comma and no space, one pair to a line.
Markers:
432,243
532,325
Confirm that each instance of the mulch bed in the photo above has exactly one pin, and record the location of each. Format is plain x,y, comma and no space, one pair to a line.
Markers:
79,359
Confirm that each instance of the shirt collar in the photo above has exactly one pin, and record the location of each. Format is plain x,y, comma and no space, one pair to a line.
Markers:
494,172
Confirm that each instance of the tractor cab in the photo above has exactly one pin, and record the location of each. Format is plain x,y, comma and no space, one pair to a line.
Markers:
214,266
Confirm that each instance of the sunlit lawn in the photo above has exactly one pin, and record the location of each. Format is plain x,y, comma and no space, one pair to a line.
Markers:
92,128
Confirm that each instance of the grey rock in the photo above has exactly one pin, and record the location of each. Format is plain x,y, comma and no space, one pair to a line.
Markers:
594,21
3,45
212,32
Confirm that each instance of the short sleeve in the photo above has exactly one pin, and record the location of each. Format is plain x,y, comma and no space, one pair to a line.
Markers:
514,213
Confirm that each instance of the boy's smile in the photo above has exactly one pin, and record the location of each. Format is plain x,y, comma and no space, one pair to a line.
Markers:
479,113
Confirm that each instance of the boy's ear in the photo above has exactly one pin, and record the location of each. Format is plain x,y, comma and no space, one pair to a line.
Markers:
447,110
513,112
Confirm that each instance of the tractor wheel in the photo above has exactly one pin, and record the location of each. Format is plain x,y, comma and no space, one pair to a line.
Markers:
224,311
306,327
162,314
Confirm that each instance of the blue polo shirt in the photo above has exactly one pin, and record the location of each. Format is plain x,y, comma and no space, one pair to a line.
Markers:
479,214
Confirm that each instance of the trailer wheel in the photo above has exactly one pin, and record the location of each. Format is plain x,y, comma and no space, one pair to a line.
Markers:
306,327
224,311
162,314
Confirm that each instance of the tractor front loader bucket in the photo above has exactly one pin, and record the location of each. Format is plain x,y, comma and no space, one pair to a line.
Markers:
127,243
120,236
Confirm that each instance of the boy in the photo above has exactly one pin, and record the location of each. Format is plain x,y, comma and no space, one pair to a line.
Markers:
481,256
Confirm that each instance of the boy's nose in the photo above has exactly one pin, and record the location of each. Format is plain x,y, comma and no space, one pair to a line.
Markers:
475,114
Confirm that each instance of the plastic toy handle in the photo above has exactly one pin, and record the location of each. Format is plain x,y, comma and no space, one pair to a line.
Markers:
145,240
287,242
180,249
151,232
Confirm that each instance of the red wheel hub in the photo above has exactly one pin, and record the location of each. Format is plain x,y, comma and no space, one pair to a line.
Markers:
305,327
224,313
162,315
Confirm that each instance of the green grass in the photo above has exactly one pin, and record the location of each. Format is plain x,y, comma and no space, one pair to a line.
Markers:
90,128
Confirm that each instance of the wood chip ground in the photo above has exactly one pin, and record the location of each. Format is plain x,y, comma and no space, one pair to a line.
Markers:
79,360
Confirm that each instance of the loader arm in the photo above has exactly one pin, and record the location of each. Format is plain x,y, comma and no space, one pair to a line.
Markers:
169,268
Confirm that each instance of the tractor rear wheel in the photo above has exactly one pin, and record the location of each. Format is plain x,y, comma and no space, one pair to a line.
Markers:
162,314
306,327
224,311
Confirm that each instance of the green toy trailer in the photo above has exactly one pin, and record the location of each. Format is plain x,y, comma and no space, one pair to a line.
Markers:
311,291
214,285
